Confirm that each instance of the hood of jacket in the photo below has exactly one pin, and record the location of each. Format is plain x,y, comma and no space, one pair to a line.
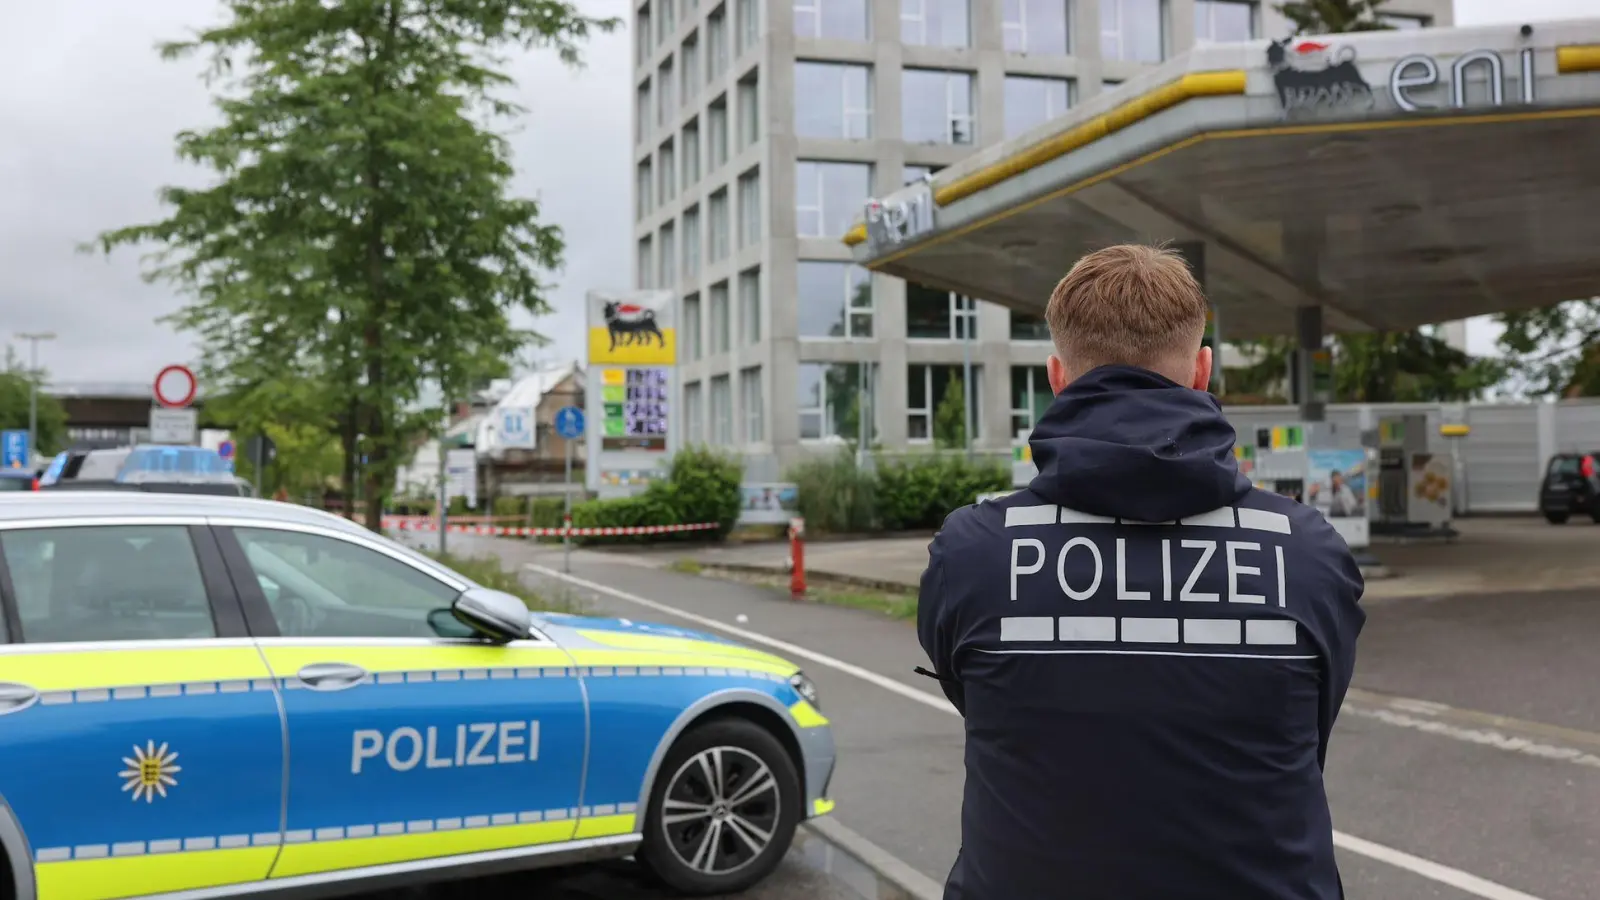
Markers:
1127,442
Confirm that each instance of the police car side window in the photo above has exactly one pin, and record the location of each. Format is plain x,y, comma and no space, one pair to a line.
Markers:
107,583
318,586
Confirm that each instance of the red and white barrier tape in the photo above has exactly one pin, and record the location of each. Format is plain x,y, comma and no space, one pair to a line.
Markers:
417,524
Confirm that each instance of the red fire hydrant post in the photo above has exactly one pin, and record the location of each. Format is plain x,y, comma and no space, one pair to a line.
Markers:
797,558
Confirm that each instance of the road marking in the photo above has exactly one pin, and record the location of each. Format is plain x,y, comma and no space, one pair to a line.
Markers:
1472,718
1456,878
1435,718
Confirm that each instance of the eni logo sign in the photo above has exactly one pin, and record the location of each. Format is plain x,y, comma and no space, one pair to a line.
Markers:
1416,73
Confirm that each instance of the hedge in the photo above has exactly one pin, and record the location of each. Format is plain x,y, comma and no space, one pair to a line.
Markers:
702,485
837,496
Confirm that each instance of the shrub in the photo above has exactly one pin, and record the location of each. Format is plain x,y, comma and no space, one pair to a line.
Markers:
509,506
702,485
836,496
919,492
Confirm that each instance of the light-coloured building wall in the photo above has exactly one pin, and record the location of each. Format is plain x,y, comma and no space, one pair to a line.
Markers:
763,42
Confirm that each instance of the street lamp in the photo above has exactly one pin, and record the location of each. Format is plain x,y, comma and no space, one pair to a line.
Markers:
33,338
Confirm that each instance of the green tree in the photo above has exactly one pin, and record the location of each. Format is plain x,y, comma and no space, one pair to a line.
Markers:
950,417
358,230
1555,351
16,383
1334,16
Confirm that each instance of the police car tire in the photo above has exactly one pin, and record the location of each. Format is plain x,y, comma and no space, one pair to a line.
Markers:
656,854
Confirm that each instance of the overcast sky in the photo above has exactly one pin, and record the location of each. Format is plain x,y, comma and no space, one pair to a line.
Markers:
87,117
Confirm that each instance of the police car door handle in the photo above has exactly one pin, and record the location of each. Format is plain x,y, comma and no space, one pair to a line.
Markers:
16,697
331,676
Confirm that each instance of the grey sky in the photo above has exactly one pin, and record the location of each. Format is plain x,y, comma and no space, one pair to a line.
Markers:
87,116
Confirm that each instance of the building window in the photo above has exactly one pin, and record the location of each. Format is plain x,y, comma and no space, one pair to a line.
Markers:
835,299
641,118
717,124
1036,26
936,107
666,107
1030,396
644,190
750,208
1404,23
939,315
641,36
694,413
935,404
667,169
1130,30
751,401
721,411
935,23
842,20
829,196
1026,327
912,174
748,16
1031,102
719,226
749,99
691,242
693,341
644,271
667,256
1224,21
832,398
832,101
750,306
716,45
665,22
691,154
721,327
689,69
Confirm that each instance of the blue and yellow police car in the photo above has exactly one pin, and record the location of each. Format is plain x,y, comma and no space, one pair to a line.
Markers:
209,696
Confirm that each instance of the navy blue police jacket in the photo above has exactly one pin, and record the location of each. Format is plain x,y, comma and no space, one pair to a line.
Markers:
1149,654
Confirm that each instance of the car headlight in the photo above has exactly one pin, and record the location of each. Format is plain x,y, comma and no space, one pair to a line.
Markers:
803,686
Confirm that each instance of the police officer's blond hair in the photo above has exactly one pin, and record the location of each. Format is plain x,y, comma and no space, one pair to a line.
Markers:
1129,305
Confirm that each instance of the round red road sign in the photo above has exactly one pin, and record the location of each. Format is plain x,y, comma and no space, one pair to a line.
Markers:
176,386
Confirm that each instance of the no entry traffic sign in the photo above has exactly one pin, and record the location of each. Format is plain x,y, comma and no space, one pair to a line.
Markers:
176,386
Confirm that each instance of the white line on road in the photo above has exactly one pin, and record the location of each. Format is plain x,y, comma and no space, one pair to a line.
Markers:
1485,737
1456,878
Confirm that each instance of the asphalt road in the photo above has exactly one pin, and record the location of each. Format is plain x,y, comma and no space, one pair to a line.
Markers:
1471,744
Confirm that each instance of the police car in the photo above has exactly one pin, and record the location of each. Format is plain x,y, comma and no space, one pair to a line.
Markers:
156,468
204,696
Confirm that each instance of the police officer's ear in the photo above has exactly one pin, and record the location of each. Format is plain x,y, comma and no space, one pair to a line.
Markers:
1056,371
1202,370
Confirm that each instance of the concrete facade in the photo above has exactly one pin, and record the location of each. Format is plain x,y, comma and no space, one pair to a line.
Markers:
730,140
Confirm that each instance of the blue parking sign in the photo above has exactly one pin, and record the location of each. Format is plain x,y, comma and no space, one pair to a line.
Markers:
14,449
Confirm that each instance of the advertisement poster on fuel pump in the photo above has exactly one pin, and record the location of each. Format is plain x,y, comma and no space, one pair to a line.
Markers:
1336,485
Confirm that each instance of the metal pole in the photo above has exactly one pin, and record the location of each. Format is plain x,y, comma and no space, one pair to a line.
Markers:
966,375
566,518
444,480
258,459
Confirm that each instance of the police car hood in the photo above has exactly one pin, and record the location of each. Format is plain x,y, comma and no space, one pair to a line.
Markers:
1126,442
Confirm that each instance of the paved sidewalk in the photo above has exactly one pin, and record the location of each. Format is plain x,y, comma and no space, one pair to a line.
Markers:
1492,555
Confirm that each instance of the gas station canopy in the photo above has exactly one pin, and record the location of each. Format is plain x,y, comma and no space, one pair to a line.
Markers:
1392,179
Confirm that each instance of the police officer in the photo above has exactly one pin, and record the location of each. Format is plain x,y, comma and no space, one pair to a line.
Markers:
1148,652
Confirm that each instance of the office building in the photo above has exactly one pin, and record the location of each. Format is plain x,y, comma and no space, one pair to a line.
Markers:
760,128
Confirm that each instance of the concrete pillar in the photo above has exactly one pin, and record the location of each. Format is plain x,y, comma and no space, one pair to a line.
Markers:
1308,334
1194,253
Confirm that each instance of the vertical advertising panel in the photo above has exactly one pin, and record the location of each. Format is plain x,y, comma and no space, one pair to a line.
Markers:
630,390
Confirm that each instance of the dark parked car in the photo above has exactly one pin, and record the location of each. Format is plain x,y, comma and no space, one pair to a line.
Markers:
1571,487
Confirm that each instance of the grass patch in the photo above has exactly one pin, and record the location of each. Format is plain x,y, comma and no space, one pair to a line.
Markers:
895,606
686,566
489,571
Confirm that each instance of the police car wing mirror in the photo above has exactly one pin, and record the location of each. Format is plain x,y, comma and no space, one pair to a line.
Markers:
445,624
494,615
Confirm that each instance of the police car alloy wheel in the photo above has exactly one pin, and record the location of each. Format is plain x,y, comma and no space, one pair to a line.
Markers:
723,809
